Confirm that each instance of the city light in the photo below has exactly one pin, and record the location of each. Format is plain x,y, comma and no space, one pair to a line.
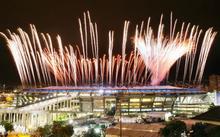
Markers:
70,121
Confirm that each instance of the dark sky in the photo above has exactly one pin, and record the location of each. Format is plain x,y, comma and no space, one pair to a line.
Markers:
60,17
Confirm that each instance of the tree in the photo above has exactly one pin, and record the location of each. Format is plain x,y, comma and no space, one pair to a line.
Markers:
68,130
8,126
44,131
58,129
174,129
212,106
61,130
214,132
91,133
199,130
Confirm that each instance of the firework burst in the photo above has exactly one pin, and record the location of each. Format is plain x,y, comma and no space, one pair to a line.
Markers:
39,63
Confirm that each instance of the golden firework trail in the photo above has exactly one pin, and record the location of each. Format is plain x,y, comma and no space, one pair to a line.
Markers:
153,55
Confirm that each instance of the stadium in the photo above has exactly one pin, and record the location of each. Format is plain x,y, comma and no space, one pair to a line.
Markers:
133,100
71,82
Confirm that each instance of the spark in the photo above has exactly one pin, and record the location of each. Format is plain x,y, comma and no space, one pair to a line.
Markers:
39,63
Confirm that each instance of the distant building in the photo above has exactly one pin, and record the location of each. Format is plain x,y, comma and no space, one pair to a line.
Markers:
214,83
214,87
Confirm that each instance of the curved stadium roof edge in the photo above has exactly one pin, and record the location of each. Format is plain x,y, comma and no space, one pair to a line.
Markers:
166,89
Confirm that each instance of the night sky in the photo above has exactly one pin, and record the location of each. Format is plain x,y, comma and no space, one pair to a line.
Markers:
60,17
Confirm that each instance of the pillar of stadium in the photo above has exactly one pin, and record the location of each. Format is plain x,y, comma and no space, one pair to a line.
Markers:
40,113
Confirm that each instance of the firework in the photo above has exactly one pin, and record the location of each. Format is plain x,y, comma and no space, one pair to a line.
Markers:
39,63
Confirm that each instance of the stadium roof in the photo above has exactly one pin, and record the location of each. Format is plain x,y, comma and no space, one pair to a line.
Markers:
140,89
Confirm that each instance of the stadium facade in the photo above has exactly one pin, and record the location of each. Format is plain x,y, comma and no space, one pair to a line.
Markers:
134,100
49,104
